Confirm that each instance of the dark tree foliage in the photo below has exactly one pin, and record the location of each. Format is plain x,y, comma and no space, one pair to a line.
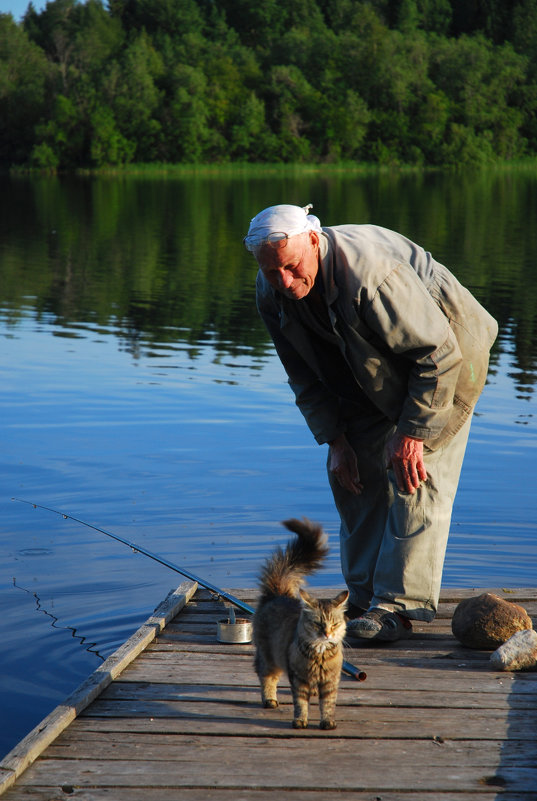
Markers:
437,82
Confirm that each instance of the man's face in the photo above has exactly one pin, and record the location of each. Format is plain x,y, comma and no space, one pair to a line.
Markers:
291,269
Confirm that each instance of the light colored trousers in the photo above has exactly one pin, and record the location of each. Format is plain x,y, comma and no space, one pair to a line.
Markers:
393,544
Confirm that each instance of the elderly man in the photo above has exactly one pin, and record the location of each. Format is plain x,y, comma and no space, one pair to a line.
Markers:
387,354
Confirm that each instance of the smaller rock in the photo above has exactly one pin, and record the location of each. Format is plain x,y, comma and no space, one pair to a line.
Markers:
518,653
487,621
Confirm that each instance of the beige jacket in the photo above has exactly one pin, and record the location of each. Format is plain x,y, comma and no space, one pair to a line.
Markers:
415,340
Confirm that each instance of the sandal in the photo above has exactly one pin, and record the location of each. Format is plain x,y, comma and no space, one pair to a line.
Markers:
380,624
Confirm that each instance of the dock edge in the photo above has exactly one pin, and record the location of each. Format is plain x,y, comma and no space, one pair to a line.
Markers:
32,746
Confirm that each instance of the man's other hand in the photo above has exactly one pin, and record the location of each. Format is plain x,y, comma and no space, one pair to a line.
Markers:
344,466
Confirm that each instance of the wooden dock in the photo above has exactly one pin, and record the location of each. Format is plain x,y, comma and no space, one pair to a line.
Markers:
177,716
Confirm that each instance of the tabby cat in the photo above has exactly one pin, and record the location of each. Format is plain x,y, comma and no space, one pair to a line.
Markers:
296,633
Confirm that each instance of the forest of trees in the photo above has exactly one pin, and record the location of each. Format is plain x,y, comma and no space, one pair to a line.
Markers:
432,82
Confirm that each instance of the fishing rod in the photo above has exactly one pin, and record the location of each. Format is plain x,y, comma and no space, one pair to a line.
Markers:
347,667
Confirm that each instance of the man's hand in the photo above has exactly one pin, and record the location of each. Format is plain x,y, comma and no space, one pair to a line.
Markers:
405,456
344,466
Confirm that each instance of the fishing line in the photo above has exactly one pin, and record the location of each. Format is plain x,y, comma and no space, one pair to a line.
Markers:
56,622
347,668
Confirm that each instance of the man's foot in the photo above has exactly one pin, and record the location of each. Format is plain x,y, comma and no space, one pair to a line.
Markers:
380,624
354,611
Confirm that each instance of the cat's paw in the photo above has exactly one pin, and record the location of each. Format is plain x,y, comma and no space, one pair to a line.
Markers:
300,723
328,724
270,703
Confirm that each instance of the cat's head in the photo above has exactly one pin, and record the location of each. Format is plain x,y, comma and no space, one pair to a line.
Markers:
323,621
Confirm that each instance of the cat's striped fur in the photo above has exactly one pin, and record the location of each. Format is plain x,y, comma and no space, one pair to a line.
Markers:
296,633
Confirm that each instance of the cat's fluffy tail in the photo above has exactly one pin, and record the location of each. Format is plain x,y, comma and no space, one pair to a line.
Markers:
284,571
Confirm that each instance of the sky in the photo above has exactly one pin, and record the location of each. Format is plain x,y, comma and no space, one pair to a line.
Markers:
18,7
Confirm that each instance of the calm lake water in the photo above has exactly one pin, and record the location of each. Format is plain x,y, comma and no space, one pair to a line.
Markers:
140,393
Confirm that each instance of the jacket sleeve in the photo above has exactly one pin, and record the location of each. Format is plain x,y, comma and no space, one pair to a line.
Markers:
318,405
413,327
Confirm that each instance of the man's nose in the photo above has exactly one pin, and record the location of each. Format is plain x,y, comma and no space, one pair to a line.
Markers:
286,279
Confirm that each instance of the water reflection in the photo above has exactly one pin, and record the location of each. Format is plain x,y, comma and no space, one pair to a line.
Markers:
161,260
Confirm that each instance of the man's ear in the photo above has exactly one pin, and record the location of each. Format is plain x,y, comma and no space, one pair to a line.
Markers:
314,238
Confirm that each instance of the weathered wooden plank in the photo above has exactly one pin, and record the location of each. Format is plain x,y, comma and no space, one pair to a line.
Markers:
204,629
437,630
419,645
207,625
228,678
380,681
250,794
448,778
159,748
25,752
373,723
404,657
232,762
219,709
402,698
516,594
233,666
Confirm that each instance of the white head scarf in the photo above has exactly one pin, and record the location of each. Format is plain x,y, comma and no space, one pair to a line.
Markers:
284,219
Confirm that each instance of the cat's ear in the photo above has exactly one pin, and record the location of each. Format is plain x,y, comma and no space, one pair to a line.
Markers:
306,597
341,599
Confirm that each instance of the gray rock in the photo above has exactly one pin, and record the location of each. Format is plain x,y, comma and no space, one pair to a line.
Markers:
518,653
488,621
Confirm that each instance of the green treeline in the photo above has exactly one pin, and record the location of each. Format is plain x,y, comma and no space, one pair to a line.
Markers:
436,82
